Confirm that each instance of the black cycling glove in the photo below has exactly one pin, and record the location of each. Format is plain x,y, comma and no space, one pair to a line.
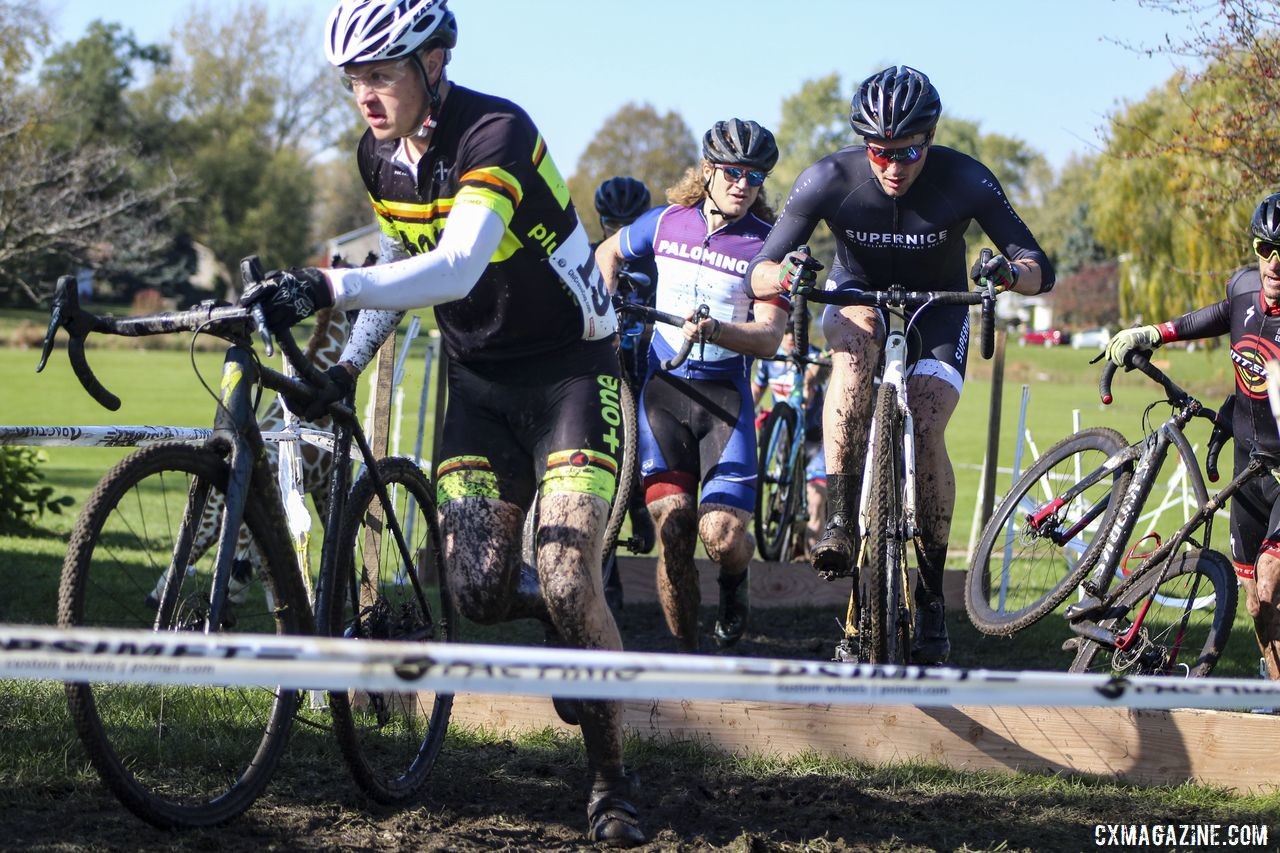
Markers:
289,296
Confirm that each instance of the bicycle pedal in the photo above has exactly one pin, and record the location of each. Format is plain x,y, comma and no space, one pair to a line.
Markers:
1072,644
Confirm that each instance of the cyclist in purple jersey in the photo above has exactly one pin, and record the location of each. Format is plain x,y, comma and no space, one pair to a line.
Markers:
477,221
898,207
695,422
1250,314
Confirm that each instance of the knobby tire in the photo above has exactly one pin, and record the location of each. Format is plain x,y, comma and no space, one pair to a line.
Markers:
390,741
177,756
1040,573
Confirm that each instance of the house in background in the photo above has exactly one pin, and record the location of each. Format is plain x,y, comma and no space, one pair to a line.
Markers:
353,246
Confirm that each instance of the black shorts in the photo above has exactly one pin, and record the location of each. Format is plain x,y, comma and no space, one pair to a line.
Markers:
1255,519
698,431
937,343
503,440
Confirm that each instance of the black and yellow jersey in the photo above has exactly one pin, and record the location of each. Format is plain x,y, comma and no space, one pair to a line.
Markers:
541,294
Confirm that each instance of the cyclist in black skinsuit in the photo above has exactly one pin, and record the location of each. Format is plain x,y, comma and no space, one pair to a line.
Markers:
1250,313
529,329
898,207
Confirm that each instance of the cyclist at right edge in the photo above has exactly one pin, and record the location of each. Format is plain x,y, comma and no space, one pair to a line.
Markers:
1250,313
898,207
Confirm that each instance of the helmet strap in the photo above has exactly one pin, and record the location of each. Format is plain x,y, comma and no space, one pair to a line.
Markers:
711,203
427,124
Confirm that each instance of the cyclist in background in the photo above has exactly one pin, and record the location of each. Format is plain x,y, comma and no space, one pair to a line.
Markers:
1250,314
618,202
695,422
778,377
477,221
898,207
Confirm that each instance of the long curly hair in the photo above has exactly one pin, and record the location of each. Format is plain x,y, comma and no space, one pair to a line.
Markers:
691,190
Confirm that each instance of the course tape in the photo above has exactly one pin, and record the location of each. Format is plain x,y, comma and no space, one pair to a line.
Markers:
315,663
136,436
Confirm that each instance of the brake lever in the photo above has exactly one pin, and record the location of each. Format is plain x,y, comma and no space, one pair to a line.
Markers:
251,274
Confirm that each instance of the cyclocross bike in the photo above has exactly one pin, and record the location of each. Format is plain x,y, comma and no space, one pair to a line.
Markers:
1077,519
782,509
878,622
180,756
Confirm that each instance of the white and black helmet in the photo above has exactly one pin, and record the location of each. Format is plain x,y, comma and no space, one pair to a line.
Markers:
895,103
740,143
375,30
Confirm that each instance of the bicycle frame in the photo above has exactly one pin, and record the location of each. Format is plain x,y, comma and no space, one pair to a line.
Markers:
1146,458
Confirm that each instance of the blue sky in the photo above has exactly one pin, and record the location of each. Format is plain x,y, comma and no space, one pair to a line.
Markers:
1046,71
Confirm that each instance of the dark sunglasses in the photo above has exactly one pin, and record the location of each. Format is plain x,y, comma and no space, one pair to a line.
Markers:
733,174
1265,249
885,156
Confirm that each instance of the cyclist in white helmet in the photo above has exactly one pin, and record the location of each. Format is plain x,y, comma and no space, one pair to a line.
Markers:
477,221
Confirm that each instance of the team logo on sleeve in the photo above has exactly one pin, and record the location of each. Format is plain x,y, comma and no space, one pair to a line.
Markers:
1250,355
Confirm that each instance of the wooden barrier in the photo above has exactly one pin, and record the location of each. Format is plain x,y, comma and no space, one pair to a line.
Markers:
1149,747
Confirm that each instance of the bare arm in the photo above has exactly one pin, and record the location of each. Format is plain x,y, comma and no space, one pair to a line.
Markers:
609,260
758,337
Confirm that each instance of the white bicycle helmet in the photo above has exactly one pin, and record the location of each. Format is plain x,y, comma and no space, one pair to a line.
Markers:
374,30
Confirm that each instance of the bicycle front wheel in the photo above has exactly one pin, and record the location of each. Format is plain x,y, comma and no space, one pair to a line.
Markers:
1020,572
391,740
883,574
775,483
1184,630
177,756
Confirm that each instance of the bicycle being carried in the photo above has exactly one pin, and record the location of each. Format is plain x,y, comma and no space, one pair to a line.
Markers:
180,756
782,507
1077,518
879,619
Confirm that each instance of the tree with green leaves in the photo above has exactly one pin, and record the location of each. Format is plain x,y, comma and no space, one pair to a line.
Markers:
24,30
251,104
637,141
1186,165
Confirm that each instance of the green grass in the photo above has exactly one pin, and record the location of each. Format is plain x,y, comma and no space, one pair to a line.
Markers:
159,387
40,756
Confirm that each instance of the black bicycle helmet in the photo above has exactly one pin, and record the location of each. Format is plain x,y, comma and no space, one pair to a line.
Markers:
1266,219
740,143
895,103
622,198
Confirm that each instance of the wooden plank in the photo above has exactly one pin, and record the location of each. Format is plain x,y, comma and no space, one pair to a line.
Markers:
1148,747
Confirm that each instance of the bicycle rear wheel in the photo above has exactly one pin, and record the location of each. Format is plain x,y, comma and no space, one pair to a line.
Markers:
177,756
627,470
883,573
1020,573
390,741
1183,631
775,484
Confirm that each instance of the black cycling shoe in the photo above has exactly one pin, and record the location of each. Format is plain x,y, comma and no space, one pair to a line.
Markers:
611,818
643,534
834,552
929,642
735,607
566,709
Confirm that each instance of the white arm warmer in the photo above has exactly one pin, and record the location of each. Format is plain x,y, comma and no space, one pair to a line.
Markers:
447,272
